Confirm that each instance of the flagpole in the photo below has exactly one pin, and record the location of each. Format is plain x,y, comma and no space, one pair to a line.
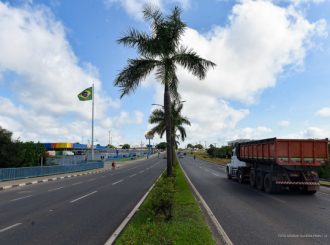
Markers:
93,122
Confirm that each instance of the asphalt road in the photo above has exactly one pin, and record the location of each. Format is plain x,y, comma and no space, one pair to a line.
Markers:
80,210
249,216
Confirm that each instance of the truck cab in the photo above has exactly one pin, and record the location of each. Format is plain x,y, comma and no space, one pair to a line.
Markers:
236,167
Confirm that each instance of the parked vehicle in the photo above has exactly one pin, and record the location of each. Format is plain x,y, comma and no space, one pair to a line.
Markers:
272,164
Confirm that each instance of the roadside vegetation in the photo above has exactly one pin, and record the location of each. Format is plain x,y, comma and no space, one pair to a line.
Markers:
169,215
201,154
324,171
14,153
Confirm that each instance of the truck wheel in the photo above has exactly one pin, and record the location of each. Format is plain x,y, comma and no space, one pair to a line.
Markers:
240,176
252,179
260,182
228,174
269,185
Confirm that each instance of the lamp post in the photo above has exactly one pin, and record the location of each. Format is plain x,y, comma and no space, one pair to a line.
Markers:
149,136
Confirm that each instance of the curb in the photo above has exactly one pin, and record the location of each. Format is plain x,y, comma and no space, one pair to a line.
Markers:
51,179
224,237
121,227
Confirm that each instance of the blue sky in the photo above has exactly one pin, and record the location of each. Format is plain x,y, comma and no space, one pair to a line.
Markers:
271,79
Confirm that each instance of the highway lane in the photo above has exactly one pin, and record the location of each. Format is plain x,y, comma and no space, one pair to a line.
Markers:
81,210
249,216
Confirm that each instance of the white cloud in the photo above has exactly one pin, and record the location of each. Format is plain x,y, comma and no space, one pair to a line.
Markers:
261,41
252,51
315,133
283,124
135,7
254,133
124,118
324,112
43,105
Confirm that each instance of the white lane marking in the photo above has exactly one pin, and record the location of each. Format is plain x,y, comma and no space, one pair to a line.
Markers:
83,197
20,198
131,168
323,193
10,227
117,182
132,175
55,189
78,183
224,236
89,180
215,174
113,237
141,172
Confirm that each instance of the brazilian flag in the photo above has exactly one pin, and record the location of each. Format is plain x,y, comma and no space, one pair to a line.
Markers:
87,94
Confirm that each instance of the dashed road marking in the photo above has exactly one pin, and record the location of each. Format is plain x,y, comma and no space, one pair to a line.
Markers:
79,198
55,189
132,175
117,182
10,227
20,198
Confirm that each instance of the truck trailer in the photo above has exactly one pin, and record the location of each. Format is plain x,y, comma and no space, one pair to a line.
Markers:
273,164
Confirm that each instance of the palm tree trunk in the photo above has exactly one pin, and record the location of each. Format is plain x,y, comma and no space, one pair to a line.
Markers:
167,109
173,145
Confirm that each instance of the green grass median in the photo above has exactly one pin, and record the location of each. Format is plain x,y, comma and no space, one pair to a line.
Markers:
185,224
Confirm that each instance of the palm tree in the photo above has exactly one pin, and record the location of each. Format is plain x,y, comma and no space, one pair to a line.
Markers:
177,122
160,51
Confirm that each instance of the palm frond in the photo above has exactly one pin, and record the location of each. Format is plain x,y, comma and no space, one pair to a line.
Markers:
176,26
131,76
152,13
157,116
182,132
145,44
191,61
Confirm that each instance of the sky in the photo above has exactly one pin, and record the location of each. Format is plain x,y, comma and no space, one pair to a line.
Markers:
272,74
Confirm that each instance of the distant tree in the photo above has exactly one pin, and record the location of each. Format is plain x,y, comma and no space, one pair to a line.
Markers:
110,146
190,146
199,146
18,154
126,146
222,152
32,153
5,136
161,146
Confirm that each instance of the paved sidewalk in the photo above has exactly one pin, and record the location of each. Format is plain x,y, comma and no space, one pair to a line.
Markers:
35,180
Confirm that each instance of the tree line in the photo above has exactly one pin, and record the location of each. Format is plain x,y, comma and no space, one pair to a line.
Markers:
14,153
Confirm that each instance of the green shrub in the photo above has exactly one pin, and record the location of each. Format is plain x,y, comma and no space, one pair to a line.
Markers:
162,198
324,171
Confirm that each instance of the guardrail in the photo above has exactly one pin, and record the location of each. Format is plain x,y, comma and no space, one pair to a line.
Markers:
28,172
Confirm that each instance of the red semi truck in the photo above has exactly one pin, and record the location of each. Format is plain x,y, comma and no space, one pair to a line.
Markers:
272,164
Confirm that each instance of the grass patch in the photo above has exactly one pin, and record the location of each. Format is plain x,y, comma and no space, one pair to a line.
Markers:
324,182
185,227
204,156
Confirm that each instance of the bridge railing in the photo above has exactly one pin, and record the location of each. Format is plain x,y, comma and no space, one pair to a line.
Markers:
28,172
